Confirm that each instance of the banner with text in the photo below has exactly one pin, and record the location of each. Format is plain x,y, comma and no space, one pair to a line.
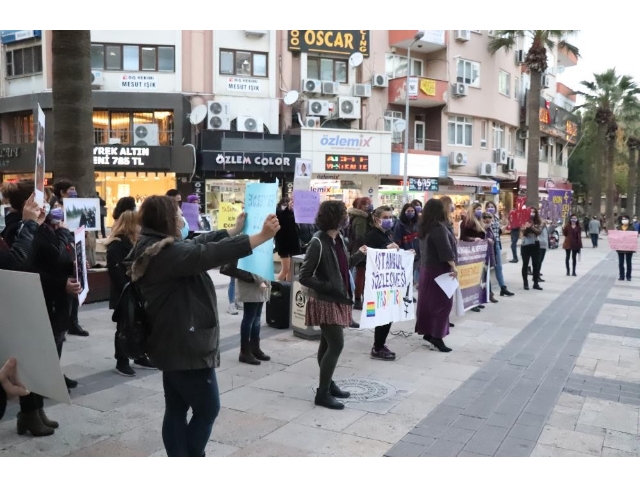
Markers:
473,273
305,206
623,241
228,215
260,200
388,288
558,206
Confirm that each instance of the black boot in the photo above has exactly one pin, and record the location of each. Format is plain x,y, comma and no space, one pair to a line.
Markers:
76,329
325,399
439,344
47,422
245,354
526,285
358,305
354,324
335,391
257,353
505,292
537,286
70,383
32,422
492,298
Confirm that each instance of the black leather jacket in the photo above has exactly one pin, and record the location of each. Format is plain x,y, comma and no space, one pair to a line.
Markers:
18,256
320,271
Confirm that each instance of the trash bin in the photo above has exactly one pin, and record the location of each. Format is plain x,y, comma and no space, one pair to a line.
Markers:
279,305
299,304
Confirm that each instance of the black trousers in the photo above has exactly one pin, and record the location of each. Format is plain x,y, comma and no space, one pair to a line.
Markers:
530,253
380,336
622,257
573,254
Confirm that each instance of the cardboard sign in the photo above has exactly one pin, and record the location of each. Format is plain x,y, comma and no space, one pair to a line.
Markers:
228,214
305,206
623,241
39,172
81,264
473,273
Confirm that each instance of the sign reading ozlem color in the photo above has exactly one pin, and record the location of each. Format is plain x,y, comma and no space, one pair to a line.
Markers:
144,82
330,41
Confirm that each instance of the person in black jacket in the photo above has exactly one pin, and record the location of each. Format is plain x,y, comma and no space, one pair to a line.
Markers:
325,271
379,237
53,258
287,240
171,275
124,234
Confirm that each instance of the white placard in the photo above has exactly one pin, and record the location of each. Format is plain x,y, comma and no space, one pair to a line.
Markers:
39,171
388,288
81,264
80,212
26,335
447,283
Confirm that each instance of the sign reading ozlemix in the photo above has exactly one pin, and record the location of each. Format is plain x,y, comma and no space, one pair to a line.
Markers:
330,41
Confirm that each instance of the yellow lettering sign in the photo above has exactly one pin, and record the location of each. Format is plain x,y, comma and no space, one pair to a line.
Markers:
330,41
228,214
428,87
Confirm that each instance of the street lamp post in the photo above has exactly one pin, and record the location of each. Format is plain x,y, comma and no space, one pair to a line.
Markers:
405,189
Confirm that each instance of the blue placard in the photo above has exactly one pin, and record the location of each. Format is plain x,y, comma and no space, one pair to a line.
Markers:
10,36
260,200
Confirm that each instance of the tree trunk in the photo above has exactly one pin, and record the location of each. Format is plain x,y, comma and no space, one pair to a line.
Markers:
73,109
610,170
631,187
533,149
637,188
598,158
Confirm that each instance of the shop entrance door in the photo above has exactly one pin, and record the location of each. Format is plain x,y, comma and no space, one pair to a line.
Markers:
418,130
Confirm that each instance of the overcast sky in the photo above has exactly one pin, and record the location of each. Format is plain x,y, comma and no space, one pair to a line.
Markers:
597,55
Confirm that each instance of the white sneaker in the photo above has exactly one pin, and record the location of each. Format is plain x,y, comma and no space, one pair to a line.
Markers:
232,310
240,306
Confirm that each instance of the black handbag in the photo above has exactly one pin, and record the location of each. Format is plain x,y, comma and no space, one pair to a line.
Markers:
231,270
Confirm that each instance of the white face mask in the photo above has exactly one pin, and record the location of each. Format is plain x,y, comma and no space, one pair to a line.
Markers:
625,222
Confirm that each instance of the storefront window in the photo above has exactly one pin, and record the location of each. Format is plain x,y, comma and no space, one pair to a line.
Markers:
337,190
113,186
118,125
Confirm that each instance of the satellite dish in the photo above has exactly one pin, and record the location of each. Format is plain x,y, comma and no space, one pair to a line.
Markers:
291,97
399,126
356,59
198,114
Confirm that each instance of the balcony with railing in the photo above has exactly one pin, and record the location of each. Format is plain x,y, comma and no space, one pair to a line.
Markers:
418,145
427,93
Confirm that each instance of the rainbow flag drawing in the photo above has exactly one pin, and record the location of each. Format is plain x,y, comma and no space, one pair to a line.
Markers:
371,309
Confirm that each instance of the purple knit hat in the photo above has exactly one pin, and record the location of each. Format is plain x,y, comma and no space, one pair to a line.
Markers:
192,197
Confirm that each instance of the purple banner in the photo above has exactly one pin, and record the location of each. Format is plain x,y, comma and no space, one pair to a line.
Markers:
305,206
473,273
558,206
191,212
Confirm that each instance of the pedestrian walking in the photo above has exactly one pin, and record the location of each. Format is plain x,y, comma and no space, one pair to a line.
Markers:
514,225
594,230
530,249
325,271
543,240
572,242
625,257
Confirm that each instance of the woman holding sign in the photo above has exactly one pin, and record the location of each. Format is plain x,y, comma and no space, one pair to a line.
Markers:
379,237
438,256
625,256
325,271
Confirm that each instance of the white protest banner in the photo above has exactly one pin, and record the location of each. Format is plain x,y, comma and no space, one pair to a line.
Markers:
388,288
81,264
26,335
39,171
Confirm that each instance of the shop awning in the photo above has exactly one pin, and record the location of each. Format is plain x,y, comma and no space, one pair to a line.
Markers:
471,181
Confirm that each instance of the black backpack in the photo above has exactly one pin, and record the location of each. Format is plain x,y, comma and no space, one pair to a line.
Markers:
133,323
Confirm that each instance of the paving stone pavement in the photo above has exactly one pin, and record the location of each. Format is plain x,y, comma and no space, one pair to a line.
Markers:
551,373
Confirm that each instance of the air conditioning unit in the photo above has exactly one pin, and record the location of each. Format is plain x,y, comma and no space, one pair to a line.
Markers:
488,169
510,166
520,56
311,86
349,107
318,108
458,159
462,35
363,91
523,134
96,78
330,87
312,122
545,81
250,124
459,89
500,156
145,134
219,115
380,81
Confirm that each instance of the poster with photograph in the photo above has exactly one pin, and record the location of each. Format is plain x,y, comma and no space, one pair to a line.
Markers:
82,212
303,168
39,172
81,264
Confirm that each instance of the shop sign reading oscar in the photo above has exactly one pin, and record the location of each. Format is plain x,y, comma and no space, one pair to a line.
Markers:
330,41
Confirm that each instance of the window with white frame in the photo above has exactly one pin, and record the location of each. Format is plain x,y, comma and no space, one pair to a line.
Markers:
498,136
468,72
520,147
484,129
504,83
24,61
461,131
510,140
516,89
396,66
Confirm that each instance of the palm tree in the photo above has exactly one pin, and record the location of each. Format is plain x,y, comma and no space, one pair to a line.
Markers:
612,97
632,144
73,109
536,62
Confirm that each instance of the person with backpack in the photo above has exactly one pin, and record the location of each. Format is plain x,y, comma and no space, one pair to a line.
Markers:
169,275
359,225
124,234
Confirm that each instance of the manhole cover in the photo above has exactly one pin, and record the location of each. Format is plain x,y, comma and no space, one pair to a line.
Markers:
366,390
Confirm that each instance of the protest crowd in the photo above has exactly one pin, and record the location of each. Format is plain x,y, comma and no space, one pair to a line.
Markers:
395,268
